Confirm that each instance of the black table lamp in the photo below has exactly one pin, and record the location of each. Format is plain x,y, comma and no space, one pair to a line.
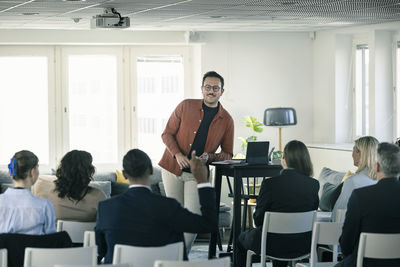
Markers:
280,117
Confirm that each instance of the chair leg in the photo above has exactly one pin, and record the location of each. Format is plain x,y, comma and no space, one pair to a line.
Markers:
244,215
229,247
219,242
249,256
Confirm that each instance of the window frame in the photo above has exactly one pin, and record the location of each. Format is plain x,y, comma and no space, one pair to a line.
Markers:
47,51
365,72
66,51
139,51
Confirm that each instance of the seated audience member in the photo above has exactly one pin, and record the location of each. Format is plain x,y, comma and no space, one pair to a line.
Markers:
364,156
71,195
291,191
140,218
375,208
20,211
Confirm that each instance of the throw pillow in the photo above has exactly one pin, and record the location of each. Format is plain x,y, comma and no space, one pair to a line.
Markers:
104,186
329,176
105,176
121,178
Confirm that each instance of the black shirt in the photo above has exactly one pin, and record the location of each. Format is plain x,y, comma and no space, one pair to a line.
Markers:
202,133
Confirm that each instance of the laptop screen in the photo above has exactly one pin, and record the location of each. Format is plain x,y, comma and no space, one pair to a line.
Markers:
257,152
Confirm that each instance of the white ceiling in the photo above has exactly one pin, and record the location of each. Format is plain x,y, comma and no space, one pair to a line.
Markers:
202,15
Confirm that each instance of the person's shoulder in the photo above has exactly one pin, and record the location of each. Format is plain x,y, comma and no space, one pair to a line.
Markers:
96,193
365,190
42,201
110,201
190,102
225,113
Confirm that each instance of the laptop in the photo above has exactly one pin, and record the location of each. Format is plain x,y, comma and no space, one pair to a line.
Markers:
257,152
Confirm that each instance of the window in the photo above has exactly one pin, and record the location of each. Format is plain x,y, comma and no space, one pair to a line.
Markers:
398,90
102,99
92,102
361,92
24,109
160,87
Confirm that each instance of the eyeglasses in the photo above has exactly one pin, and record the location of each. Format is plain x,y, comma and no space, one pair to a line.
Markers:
208,87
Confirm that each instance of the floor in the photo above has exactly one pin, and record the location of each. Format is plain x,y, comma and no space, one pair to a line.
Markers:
200,247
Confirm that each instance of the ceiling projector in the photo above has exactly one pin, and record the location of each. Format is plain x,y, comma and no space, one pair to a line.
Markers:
110,19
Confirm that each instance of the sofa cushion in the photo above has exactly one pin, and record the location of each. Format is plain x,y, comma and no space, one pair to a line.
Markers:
329,176
104,186
105,176
5,178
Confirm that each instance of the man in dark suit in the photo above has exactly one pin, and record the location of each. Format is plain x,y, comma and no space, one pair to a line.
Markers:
375,208
141,218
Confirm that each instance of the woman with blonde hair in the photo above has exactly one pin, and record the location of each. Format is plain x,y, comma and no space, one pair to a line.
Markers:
364,158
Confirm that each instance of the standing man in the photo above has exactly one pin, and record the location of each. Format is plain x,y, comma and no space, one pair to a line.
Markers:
200,125
374,208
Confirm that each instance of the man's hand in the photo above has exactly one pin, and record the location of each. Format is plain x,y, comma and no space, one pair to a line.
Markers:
182,160
198,168
204,157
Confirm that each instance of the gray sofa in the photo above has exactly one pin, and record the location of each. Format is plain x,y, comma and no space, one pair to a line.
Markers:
107,182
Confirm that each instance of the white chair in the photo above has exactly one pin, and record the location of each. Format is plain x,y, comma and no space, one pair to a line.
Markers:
324,216
75,229
146,256
324,233
283,223
222,262
89,239
340,215
378,246
48,257
3,257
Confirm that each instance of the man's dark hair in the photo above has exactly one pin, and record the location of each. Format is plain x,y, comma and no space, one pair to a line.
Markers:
215,75
136,163
74,175
389,159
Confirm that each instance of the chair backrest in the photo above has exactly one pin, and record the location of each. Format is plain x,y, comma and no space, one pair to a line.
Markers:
3,257
340,215
89,239
75,229
222,262
48,257
378,246
146,256
325,233
285,223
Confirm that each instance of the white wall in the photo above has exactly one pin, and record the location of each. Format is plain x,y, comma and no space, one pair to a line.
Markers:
263,70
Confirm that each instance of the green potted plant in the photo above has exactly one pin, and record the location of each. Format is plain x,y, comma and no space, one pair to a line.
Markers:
255,127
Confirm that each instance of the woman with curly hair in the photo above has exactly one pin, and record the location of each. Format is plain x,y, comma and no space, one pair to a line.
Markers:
71,195
20,211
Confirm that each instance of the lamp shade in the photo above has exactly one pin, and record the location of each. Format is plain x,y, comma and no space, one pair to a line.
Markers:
280,117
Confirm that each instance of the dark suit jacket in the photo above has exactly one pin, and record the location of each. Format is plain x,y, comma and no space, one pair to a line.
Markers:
371,209
140,218
288,192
